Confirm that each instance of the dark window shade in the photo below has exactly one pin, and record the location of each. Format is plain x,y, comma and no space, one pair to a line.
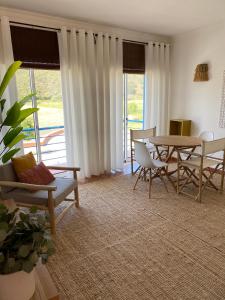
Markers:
133,58
36,48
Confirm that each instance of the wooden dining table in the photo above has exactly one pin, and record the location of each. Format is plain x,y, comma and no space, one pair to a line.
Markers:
174,143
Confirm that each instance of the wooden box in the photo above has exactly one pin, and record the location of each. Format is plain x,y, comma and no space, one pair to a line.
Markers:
180,127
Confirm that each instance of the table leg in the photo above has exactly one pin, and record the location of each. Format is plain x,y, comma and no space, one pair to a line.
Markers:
170,154
158,152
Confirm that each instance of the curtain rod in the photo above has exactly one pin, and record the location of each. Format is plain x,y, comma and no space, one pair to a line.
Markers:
34,26
68,30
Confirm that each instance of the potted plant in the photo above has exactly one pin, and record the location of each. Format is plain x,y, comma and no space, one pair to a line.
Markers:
24,241
10,121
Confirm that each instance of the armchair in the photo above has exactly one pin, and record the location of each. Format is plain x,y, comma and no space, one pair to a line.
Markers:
45,197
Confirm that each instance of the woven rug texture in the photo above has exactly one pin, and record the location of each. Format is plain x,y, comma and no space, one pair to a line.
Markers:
121,245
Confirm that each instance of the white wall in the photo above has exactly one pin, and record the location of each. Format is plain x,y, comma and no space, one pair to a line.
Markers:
198,101
23,16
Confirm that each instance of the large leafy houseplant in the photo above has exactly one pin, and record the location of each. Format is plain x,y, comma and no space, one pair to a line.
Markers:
10,121
24,239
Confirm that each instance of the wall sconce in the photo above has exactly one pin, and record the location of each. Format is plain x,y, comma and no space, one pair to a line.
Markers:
201,73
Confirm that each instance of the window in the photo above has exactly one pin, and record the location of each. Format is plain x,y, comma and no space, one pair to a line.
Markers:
38,50
134,76
133,107
45,129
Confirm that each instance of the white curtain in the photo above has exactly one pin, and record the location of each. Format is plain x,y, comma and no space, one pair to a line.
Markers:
91,69
6,59
157,87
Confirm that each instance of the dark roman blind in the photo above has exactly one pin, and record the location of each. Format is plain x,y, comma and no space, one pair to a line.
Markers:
36,48
133,58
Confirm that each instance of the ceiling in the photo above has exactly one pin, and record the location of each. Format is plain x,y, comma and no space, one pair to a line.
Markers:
166,17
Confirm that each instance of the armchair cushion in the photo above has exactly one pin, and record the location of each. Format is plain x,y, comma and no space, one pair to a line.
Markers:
64,187
23,163
37,175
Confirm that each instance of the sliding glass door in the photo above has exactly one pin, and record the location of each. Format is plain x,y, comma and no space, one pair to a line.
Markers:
133,107
45,129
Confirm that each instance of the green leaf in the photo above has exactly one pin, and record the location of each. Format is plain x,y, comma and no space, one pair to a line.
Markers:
44,258
11,262
24,250
3,209
13,115
33,210
37,236
10,135
18,265
16,140
8,76
3,234
25,113
41,219
23,101
2,104
2,257
24,217
33,258
4,226
8,155
27,266
51,251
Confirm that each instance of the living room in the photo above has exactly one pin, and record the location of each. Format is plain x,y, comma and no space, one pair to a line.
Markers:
112,149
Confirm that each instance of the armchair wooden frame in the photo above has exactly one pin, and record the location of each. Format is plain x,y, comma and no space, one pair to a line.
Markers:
50,189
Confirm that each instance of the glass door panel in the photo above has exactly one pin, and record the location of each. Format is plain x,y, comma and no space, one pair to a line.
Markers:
133,107
45,129
24,89
50,116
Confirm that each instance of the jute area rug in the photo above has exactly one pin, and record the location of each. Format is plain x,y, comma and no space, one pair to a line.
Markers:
121,245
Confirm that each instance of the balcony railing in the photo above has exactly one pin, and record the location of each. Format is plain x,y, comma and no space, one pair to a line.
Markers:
51,148
52,142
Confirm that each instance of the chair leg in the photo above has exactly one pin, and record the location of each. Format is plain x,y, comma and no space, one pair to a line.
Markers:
131,159
222,181
76,197
139,175
136,170
222,175
210,183
199,196
51,210
76,193
178,177
162,179
150,183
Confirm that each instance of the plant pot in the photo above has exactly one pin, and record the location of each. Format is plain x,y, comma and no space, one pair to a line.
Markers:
17,286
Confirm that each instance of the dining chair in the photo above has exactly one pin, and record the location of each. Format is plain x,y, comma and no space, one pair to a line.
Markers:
205,164
207,136
140,135
149,166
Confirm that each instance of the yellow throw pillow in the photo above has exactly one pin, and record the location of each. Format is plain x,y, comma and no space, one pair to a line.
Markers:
23,163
